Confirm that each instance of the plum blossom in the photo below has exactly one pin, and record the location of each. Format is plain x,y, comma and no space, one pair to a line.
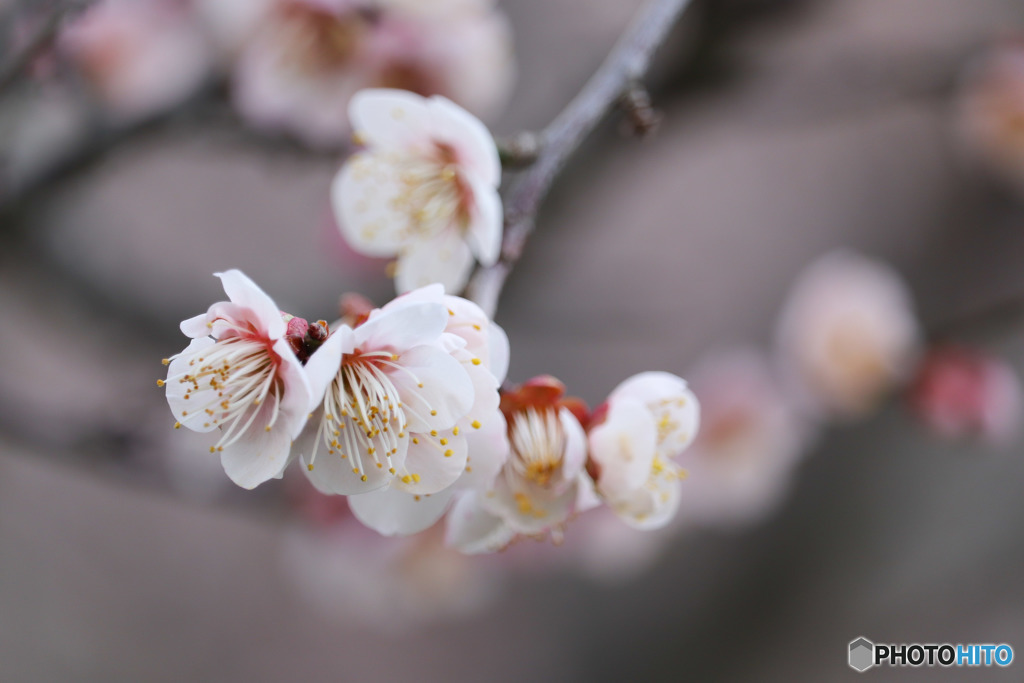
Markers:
542,483
396,510
393,394
750,440
847,333
425,188
240,375
300,61
991,110
960,392
138,56
650,419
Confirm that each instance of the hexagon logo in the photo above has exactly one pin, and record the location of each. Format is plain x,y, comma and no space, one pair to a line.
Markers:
862,654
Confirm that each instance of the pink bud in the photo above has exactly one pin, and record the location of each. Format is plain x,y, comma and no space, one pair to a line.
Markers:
297,327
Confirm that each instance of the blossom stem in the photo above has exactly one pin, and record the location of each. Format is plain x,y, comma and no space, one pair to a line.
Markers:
625,65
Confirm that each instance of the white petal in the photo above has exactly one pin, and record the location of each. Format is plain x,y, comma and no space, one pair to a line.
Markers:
259,455
389,118
675,408
244,292
362,196
472,141
472,529
297,393
530,511
333,474
393,512
401,327
486,222
486,399
575,456
435,389
488,450
196,326
498,348
431,466
624,447
176,388
322,367
446,259
655,504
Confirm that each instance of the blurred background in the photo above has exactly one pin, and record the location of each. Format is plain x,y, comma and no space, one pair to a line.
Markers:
790,128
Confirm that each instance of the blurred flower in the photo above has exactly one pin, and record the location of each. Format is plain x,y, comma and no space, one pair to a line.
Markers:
393,395
297,70
960,392
240,374
139,56
425,188
750,439
603,548
991,110
348,571
396,510
846,334
651,418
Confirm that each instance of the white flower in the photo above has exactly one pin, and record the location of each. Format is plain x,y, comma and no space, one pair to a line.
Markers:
393,396
139,57
847,333
396,510
425,188
751,438
652,417
240,375
302,60
542,483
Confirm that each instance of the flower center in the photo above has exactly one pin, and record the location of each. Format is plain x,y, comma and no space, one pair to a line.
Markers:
229,383
364,420
538,444
434,195
318,40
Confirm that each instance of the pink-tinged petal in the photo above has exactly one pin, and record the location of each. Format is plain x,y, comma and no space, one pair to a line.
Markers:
297,393
401,327
486,222
655,504
196,326
446,259
390,119
244,292
575,444
472,529
649,386
362,196
473,143
488,450
189,411
624,447
333,474
499,350
259,455
393,512
322,367
432,463
435,389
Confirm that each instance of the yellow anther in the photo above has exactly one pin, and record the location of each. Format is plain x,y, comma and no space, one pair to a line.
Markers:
309,467
363,478
476,424
355,470
433,413
444,442
391,470
416,478
165,361
160,382
415,440
406,479
476,361
449,453
455,431
433,432
213,449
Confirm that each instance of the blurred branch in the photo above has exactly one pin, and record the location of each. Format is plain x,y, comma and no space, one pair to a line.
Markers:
625,66
41,39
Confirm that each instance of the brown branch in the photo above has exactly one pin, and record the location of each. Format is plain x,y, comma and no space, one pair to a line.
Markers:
627,64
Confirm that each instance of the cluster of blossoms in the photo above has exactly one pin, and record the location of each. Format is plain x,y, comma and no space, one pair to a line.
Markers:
399,409
292,65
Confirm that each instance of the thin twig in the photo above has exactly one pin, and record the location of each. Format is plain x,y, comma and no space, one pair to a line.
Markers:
627,63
